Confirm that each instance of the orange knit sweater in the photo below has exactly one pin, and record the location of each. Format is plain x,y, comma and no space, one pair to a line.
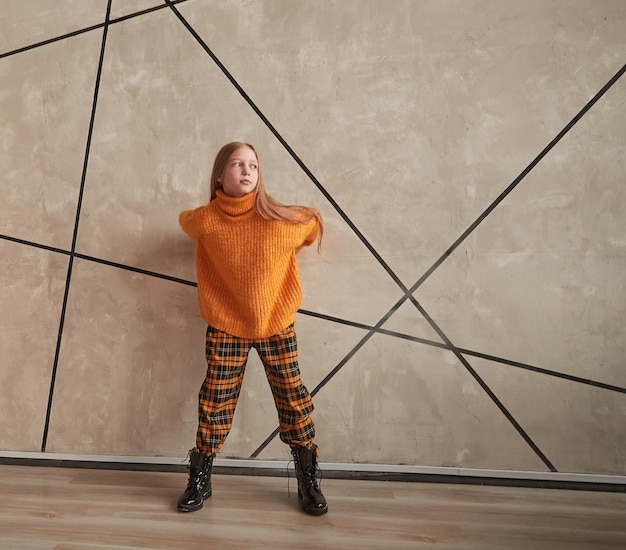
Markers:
248,280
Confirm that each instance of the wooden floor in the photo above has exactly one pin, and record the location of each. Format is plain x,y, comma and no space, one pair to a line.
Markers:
81,509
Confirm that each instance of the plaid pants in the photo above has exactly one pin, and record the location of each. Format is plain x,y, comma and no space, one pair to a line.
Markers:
226,357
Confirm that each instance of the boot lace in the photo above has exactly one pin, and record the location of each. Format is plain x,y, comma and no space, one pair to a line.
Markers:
312,476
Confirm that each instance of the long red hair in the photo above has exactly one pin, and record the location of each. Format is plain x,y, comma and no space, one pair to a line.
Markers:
264,204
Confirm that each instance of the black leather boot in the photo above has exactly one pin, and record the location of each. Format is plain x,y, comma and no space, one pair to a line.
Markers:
309,493
199,485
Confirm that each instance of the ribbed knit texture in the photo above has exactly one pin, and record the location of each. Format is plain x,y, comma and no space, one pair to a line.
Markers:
248,279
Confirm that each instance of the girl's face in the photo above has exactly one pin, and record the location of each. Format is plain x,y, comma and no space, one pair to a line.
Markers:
241,173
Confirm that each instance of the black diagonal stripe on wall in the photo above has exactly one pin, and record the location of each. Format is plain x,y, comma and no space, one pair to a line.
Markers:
465,351
485,387
518,179
76,223
77,32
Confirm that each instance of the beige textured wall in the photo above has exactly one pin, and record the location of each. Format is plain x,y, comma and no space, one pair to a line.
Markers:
414,117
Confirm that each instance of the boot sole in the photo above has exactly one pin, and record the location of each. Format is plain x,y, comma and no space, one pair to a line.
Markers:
196,507
186,509
316,512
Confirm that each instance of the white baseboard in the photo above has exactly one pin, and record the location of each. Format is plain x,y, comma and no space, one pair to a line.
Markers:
333,466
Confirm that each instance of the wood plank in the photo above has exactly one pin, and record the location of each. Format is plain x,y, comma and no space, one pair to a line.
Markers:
46,508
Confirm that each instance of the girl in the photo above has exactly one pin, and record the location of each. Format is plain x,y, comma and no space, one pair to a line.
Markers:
249,292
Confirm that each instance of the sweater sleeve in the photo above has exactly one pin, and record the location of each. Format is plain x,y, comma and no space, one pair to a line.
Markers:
312,230
191,222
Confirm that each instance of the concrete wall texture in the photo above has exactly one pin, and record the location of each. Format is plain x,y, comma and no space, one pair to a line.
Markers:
468,157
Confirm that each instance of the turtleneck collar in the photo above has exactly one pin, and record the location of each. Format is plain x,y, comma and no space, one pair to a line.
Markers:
235,206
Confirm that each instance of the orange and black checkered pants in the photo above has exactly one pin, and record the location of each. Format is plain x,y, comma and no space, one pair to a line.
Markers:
226,357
